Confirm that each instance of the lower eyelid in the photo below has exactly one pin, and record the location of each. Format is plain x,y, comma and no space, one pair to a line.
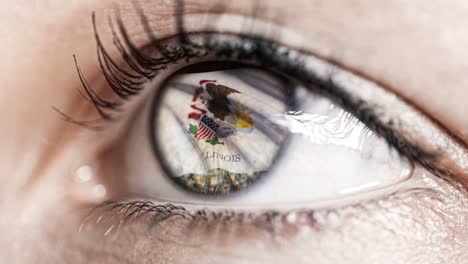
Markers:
412,219
176,223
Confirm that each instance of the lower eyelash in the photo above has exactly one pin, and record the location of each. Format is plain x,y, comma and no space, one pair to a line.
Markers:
121,213
159,218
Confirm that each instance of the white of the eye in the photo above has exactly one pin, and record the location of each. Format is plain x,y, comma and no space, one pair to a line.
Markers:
330,154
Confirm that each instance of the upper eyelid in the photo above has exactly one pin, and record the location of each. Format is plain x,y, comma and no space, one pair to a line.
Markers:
447,157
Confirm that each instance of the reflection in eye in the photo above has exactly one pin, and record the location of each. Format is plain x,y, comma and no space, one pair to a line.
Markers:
221,131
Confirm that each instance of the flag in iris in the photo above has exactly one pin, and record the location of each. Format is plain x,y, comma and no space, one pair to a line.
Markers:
206,129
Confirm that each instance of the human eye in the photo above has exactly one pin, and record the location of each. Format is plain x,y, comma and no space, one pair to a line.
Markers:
215,140
211,122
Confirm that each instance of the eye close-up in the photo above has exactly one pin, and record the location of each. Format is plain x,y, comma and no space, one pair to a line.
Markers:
234,132
216,132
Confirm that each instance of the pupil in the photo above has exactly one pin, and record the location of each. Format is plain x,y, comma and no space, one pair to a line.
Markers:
217,132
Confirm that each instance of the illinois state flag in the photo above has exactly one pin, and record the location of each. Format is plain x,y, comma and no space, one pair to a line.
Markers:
227,119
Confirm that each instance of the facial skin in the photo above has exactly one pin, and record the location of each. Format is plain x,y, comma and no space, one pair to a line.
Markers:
417,50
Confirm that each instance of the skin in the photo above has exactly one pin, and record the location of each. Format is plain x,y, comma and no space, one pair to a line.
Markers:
416,50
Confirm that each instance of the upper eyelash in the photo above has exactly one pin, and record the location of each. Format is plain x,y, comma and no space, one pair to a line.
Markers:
126,84
123,82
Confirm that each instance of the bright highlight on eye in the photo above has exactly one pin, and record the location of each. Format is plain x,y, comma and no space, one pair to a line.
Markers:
219,131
